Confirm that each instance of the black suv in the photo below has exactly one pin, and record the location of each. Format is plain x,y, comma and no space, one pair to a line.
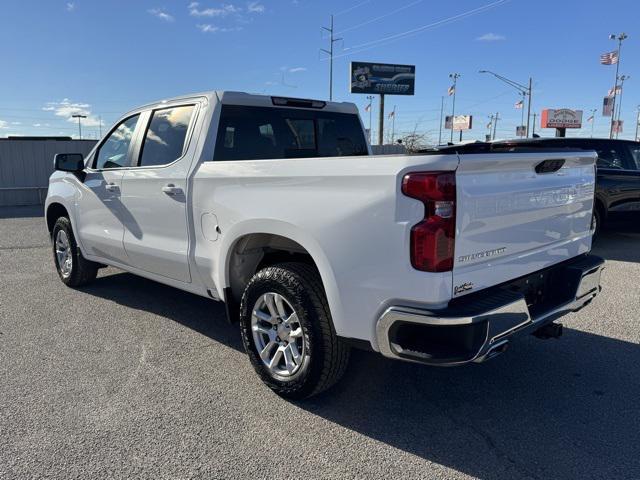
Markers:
618,169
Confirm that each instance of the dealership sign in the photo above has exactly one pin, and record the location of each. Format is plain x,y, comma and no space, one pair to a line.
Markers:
460,122
382,78
561,118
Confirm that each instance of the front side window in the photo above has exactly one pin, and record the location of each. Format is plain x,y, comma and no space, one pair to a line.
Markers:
165,138
252,133
114,152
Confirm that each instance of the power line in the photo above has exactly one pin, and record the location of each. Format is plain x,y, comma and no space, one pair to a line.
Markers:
380,17
347,10
391,38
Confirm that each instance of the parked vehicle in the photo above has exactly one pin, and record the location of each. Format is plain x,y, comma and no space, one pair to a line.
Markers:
618,171
274,206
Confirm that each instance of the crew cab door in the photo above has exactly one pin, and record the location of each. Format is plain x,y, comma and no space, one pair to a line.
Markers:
619,177
100,211
154,193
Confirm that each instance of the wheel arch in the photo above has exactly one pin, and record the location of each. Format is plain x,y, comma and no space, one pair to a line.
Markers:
266,243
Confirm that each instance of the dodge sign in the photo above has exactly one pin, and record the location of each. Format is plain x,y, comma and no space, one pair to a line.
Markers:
382,78
561,118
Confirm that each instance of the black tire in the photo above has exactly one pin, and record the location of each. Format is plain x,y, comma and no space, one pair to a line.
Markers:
596,222
82,271
326,356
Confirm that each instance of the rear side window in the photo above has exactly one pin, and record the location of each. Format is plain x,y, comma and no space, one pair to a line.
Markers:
166,135
253,133
610,157
635,155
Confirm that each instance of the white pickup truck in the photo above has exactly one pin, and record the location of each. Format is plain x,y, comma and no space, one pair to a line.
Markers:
276,206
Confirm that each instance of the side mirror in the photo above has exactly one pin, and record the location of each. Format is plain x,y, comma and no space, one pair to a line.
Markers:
69,162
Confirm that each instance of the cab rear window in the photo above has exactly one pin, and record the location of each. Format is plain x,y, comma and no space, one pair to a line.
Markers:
254,133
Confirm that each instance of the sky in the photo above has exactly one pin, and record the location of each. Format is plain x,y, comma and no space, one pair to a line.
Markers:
103,58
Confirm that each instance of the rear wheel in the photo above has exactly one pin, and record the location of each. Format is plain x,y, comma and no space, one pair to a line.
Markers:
287,333
596,221
74,270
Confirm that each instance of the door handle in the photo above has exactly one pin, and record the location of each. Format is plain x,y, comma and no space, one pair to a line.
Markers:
171,189
111,187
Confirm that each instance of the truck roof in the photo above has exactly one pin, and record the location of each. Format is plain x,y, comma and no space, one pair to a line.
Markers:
254,100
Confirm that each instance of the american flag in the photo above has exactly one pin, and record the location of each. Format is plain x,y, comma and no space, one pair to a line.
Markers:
518,105
616,90
590,119
392,114
609,58
451,90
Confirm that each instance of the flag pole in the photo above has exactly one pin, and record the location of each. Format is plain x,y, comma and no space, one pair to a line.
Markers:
441,111
454,77
620,38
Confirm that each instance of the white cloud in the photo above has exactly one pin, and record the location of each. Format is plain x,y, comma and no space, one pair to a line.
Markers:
65,109
161,14
16,123
71,6
208,28
491,37
297,69
37,124
255,7
223,11
4,124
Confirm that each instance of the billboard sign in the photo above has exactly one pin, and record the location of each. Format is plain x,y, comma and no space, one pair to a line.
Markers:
382,78
460,122
561,118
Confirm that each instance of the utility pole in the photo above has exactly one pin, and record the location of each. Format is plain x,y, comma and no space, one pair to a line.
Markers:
370,98
454,77
521,88
620,39
637,122
622,79
100,125
329,52
79,117
495,125
441,112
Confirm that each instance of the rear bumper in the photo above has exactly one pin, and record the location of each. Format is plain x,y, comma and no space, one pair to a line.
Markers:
479,326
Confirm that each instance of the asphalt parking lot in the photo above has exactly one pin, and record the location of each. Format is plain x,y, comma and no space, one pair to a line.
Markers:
128,378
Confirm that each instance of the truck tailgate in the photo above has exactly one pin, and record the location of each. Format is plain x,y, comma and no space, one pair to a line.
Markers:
518,213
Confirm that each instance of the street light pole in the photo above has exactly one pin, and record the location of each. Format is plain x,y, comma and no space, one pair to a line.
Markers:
593,119
637,122
518,86
454,77
79,117
622,80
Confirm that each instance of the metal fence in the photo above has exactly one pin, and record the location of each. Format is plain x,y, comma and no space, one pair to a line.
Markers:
26,164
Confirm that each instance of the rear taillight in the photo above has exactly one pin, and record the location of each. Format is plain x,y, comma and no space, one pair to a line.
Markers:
433,239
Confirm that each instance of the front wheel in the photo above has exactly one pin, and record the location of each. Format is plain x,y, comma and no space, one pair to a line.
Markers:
74,270
287,333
